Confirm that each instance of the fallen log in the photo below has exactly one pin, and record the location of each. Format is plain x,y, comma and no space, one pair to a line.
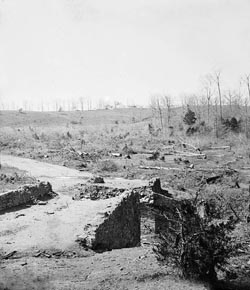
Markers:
213,179
9,255
216,169
190,154
146,152
115,154
219,148
160,168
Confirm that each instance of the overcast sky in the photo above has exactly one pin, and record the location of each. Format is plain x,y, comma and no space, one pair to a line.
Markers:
119,50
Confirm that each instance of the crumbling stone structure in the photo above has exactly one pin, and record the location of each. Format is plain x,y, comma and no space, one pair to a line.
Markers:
120,227
24,195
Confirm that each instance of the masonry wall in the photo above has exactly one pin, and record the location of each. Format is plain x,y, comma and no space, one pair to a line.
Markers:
24,195
120,227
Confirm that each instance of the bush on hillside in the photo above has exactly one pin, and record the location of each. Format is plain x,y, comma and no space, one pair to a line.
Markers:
108,165
232,124
197,245
189,118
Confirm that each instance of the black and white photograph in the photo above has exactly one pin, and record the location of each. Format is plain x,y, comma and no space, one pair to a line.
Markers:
124,145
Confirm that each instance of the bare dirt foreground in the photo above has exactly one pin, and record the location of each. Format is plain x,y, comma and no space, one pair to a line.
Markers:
41,240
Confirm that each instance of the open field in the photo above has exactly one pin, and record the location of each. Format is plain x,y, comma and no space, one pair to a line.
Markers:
117,144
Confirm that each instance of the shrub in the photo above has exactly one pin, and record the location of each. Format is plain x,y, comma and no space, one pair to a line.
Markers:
108,165
73,122
197,245
200,128
232,124
189,117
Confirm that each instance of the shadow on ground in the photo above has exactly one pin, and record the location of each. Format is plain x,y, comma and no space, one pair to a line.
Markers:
223,285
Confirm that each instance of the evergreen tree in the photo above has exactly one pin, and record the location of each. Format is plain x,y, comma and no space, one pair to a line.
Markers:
189,117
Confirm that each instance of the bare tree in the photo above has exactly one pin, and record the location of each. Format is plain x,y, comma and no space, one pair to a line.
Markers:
216,118
246,101
73,105
89,104
246,80
56,105
42,105
217,79
218,84
208,85
101,104
230,98
25,105
81,100
156,107
167,104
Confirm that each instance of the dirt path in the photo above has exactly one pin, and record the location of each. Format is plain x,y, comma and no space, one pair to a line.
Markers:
62,177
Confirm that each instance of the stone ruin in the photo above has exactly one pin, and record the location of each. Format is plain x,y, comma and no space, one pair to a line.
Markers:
120,225
27,194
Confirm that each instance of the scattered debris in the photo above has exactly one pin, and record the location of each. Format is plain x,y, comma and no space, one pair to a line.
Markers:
46,255
97,179
127,150
154,156
95,192
127,156
19,215
190,154
146,152
38,254
185,145
35,136
50,212
42,202
82,166
69,135
116,154
191,166
9,255
213,179
159,168
82,154
219,148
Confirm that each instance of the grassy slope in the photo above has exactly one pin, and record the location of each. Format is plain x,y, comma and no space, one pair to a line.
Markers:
87,118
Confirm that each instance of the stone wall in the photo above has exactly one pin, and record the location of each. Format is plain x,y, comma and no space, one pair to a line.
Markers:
24,195
120,227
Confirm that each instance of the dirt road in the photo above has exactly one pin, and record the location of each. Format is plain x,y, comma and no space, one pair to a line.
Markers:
62,177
